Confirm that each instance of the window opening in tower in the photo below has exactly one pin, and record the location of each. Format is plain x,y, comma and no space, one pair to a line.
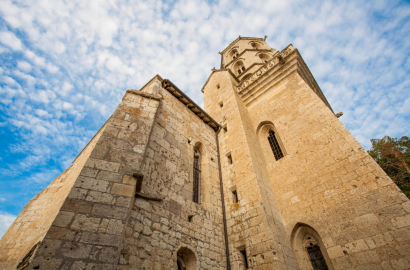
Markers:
277,151
197,174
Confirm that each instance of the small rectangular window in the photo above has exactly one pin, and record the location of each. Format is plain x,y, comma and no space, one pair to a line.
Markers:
225,128
139,181
221,104
235,196
243,252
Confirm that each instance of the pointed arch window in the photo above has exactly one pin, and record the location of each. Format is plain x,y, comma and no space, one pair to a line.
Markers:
316,258
264,57
256,45
234,53
239,67
274,144
197,175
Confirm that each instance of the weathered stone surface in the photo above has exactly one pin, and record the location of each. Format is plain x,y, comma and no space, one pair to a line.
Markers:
325,191
123,190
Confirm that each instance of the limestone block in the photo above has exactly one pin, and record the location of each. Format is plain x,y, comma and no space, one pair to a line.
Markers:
102,165
367,257
400,222
63,219
108,211
76,250
115,227
100,239
123,190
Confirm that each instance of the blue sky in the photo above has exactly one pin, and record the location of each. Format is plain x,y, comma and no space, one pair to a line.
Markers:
65,65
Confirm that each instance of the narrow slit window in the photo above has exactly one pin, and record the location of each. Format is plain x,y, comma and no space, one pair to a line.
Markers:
277,151
225,128
197,174
229,156
221,104
235,196
243,252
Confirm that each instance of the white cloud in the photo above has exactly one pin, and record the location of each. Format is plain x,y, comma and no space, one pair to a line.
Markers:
52,68
23,65
9,39
59,47
42,113
67,106
5,221
78,58
66,88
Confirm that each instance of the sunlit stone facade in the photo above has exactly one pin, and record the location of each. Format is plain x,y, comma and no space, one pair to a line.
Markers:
266,177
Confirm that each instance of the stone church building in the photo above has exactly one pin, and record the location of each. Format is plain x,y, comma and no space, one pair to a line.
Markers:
266,177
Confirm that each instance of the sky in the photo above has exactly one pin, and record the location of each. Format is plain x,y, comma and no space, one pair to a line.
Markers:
65,65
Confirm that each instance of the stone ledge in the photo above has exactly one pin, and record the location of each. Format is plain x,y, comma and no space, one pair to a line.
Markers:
143,94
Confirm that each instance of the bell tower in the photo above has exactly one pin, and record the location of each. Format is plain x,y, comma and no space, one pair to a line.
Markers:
256,232
245,55
300,191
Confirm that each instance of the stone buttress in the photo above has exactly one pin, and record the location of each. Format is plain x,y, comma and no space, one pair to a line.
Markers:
88,230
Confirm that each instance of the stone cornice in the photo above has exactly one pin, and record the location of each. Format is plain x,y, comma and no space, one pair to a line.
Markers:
239,38
269,65
244,72
184,99
283,64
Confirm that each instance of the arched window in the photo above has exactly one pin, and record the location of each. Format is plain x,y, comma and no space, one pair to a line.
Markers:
264,57
269,138
256,45
274,144
234,53
196,176
239,67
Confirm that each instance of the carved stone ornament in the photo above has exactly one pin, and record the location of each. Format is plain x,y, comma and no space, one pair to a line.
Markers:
309,241
273,62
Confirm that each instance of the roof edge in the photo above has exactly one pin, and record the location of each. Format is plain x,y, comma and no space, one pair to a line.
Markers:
237,39
218,70
198,111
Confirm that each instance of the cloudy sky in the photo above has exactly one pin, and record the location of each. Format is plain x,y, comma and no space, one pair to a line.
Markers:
65,65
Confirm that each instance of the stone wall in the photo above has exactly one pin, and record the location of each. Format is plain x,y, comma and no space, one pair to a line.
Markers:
35,219
156,231
88,231
328,182
254,222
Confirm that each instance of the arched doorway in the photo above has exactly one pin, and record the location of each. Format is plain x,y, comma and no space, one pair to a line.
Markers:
186,259
310,251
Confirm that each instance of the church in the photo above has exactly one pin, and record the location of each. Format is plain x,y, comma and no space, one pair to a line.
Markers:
264,177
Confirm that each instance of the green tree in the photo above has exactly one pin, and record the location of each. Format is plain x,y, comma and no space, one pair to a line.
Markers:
393,155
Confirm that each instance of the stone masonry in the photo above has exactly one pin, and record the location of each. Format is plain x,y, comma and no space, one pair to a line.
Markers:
128,200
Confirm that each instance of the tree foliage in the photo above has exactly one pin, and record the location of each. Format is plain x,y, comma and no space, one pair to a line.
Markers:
393,155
